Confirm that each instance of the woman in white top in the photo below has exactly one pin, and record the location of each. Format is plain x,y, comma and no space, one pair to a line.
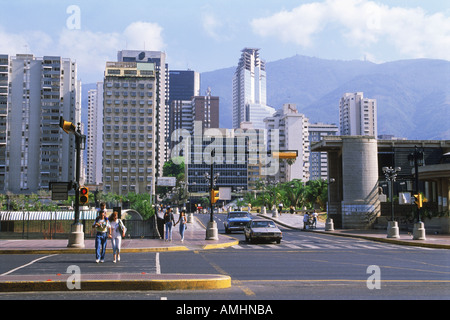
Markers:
116,235
182,221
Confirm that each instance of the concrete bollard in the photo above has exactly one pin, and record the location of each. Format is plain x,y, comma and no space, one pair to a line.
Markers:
419,231
392,230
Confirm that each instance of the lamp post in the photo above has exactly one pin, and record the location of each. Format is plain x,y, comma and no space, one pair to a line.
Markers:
391,175
416,159
76,236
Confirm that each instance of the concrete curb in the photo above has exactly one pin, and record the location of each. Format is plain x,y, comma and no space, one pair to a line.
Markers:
123,282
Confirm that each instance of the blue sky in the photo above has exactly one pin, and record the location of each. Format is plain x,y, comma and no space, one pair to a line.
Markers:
209,35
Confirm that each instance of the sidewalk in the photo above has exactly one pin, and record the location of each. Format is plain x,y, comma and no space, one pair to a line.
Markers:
194,240
295,221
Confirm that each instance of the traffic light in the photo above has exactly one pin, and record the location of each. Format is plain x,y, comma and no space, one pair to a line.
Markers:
287,154
214,196
84,196
418,200
67,126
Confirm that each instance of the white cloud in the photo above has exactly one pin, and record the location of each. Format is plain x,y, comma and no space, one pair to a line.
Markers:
412,32
90,49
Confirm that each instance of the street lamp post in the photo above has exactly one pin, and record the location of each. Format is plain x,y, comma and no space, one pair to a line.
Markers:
416,159
391,175
76,236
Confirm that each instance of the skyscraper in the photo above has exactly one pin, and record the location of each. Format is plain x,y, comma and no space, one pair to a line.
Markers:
34,94
130,127
161,108
249,90
357,115
95,135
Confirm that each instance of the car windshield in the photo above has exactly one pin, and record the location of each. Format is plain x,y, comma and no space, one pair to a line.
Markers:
238,215
263,224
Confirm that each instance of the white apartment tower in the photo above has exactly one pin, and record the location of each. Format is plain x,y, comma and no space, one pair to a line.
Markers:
34,94
293,135
318,161
357,115
249,91
95,135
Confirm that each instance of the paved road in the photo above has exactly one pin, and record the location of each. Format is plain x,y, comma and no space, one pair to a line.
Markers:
304,266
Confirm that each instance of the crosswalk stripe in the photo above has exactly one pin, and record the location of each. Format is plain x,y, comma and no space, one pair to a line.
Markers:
305,246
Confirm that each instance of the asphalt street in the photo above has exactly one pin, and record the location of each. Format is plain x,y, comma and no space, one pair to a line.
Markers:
305,265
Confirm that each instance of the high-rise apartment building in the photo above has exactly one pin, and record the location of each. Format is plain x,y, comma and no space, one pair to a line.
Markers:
34,94
95,135
162,110
318,161
130,152
249,90
293,135
357,115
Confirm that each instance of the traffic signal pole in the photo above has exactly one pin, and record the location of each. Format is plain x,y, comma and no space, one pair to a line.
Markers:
76,235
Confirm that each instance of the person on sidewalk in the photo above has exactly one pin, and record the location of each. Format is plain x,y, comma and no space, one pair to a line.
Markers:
314,219
117,232
305,220
182,221
102,227
169,221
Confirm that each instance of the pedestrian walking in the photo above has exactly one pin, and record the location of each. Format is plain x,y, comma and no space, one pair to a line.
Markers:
314,219
280,207
169,221
117,233
182,221
103,229
292,209
305,220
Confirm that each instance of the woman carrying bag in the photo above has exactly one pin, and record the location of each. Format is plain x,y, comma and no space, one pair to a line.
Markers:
117,232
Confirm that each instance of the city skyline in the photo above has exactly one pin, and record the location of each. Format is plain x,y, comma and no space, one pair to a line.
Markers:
92,32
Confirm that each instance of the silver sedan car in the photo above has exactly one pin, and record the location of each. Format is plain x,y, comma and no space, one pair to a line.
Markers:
261,229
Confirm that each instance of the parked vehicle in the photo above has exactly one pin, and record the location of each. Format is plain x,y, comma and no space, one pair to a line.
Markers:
236,221
263,230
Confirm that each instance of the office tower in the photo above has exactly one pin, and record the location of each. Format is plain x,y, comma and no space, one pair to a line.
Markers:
206,110
184,113
39,92
95,135
318,161
129,127
249,90
230,160
184,84
357,115
161,108
293,135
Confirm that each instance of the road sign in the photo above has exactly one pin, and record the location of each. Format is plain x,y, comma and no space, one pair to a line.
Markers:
60,190
167,181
